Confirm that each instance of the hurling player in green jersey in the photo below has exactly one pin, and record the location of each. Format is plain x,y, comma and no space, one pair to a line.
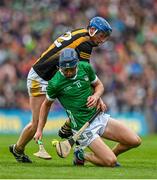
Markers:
73,91
79,90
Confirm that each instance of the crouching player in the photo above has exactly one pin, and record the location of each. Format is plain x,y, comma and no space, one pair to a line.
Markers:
78,89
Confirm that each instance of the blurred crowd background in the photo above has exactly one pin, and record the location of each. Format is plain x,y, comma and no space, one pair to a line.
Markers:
126,64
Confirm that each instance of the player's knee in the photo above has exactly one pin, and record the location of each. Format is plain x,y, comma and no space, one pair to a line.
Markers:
136,141
110,161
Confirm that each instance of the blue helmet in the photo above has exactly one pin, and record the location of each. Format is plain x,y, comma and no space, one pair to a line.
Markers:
100,24
68,58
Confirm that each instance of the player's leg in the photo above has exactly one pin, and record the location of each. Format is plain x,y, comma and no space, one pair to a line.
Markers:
28,132
65,131
30,129
36,88
102,155
119,132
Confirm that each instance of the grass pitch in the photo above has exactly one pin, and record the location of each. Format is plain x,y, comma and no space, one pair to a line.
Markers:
139,163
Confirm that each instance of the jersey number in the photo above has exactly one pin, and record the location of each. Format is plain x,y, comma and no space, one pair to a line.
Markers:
65,37
78,83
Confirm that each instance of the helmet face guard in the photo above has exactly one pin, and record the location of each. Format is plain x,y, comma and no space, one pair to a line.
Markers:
106,33
68,64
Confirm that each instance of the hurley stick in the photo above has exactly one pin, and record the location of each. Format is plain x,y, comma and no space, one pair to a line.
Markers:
42,153
63,147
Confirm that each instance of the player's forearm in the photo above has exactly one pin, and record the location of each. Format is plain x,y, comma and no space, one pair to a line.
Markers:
43,114
98,89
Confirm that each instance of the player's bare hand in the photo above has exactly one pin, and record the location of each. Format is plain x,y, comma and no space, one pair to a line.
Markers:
101,105
38,136
92,101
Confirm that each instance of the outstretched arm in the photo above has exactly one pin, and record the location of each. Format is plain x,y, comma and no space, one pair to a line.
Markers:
44,110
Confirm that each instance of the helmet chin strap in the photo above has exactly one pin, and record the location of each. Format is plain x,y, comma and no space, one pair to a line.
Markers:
91,35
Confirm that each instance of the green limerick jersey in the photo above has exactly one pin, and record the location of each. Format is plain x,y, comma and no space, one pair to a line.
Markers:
73,93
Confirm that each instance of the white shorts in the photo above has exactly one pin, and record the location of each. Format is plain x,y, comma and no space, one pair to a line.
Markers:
94,130
35,84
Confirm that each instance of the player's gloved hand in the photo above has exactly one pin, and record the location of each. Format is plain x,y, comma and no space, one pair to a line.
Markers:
101,105
65,131
38,136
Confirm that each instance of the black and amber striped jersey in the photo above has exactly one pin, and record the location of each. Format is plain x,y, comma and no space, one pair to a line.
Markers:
79,39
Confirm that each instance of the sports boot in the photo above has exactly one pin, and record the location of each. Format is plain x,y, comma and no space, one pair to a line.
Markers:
20,157
78,157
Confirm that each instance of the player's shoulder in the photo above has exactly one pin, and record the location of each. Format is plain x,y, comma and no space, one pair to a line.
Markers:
80,31
84,64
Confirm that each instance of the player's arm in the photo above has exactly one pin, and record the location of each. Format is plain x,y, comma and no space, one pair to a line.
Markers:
44,110
95,99
98,91
100,104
